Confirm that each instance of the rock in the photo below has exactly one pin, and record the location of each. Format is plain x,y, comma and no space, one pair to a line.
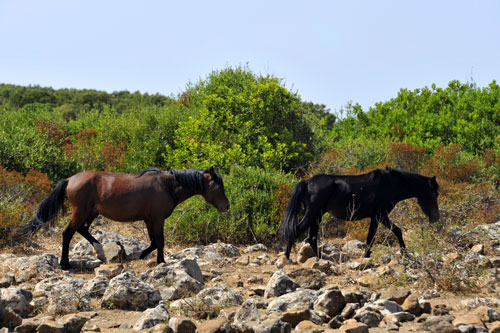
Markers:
478,248
321,264
177,280
336,257
354,327
308,278
279,284
495,327
273,324
108,271
61,295
308,326
399,317
182,325
7,280
50,325
255,279
300,297
439,324
468,319
73,323
126,291
388,306
395,294
161,328
247,312
152,317
331,302
487,314
305,252
255,248
225,250
28,326
217,325
425,305
10,319
354,246
412,305
35,268
353,297
16,299
368,316
97,286
243,261
114,252
132,246
296,315
440,310
477,260
349,310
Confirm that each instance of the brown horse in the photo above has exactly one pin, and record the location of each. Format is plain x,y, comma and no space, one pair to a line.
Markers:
150,195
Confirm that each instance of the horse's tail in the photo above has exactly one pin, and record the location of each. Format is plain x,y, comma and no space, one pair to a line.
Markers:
289,225
47,211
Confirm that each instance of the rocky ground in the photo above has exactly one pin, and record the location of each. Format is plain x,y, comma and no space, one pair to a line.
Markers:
224,288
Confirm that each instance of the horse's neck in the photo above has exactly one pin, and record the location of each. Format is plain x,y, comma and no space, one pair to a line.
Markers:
410,189
181,193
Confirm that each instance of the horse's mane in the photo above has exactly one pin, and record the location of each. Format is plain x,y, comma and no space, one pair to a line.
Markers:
414,178
140,174
190,178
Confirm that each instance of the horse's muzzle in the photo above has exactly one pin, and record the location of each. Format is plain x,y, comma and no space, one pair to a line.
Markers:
223,209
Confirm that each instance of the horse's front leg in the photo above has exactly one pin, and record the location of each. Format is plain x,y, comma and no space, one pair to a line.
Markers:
371,235
152,246
312,237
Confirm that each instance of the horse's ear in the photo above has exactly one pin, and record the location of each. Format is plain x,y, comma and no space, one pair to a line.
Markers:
211,170
434,184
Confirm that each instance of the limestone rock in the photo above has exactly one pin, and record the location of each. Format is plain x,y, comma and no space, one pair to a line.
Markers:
331,302
308,278
152,317
280,284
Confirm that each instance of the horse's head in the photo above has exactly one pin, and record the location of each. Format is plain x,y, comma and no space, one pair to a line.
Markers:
428,199
214,190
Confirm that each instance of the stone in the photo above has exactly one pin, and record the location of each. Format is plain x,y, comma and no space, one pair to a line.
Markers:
300,297
114,252
108,271
16,299
412,305
280,284
478,248
50,325
354,327
243,261
388,306
349,310
97,286
305,252
395,294
308,326
126,291
354,246
439,324
487,314
368,317
273,324
425,305
296,315
34,268
152,317
11,319
28,326
495,327
73,323
321,265
308,278
7,280
255,248
331,302
468,319
247,312
255,280
213,326
368,280
182,325
225,250
353,297
399,317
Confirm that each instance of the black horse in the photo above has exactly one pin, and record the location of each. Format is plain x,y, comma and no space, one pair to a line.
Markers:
352,198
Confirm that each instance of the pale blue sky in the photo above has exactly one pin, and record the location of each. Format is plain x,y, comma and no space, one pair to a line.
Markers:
331,52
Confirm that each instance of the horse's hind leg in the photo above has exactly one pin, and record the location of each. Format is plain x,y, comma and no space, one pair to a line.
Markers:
77,219
396,230
310,221
84,231
151,247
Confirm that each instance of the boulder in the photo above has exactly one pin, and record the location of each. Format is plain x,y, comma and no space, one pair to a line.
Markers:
126,291
308,278
255,248
395,294
296,315
34,268
152,317
182,325
280,284
354,327
412,305
61,295
16,299
368,316
331,302
305,252
300,297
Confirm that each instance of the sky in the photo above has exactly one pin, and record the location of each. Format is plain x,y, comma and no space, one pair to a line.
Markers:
329,52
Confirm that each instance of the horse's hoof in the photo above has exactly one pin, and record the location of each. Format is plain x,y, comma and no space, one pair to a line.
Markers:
368,254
